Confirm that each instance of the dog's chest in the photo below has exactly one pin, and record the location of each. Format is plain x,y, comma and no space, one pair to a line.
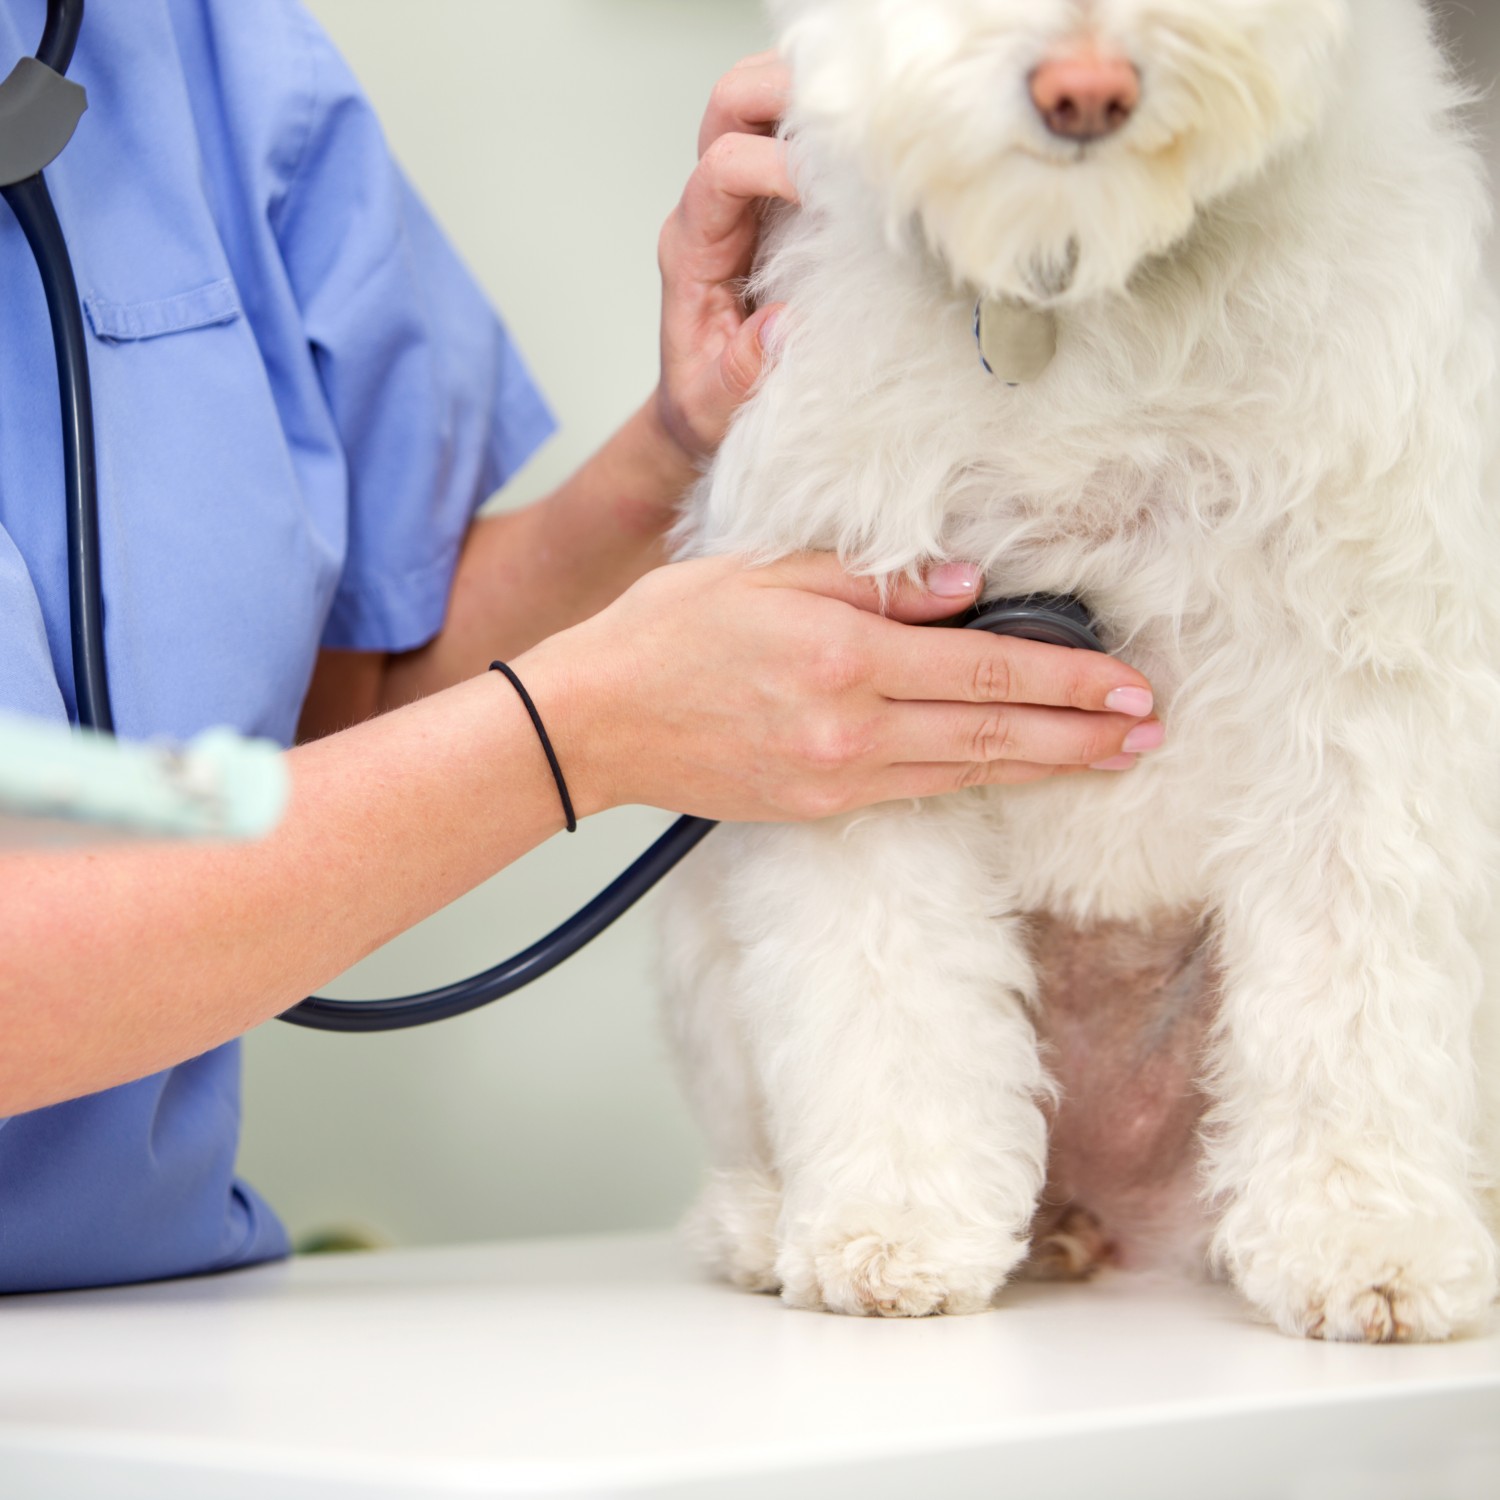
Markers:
1040,517
1077,482
1113,454
1045,511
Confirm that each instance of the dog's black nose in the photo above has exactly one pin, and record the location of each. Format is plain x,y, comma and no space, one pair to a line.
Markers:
1085,95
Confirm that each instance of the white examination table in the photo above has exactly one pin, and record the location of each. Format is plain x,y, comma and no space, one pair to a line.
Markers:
608,1367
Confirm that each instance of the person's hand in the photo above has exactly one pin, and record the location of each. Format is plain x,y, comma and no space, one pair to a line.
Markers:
712,351
783,693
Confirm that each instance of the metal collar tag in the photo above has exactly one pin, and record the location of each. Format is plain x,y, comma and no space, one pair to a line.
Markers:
1017,342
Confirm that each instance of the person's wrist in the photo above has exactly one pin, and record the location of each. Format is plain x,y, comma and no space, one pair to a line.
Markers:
675,448
574,694
646,475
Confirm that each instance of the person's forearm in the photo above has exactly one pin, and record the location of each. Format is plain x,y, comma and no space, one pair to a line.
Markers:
527,574
116,964
695,692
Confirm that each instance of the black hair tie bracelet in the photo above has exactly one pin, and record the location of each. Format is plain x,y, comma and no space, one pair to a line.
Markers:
541,734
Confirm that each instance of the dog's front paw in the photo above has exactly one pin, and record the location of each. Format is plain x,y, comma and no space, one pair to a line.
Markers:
1361,1279
894,1263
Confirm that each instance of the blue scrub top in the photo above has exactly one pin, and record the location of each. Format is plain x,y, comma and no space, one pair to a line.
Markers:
301,397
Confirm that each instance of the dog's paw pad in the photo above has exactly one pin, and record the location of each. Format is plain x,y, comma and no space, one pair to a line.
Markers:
1377,1315
1393,1313
1072,1250
1416,1281
876,1273
873,1275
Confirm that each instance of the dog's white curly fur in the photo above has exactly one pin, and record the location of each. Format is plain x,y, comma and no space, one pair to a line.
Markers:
1262,456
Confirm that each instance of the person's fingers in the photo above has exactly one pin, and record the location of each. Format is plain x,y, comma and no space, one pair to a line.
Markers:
718,208
948,590
977,734
748,100
943,592
973,666
941,778
746,354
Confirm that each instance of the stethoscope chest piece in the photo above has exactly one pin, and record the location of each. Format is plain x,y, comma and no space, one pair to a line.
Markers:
1053,619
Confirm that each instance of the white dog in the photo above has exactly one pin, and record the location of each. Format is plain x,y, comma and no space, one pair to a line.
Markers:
1250,230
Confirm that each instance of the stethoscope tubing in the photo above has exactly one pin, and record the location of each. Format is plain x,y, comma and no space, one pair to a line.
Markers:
32,205
523,968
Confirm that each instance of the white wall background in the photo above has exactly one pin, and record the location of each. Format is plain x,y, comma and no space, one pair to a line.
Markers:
551,137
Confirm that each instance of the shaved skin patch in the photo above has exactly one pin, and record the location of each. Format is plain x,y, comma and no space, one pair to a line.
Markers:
1124,1023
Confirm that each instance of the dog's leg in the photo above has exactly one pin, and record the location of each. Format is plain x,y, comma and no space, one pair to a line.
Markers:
732,1227
1487,1068
881,993
1342,1145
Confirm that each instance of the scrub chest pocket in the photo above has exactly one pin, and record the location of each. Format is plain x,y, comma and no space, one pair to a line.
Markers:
201,507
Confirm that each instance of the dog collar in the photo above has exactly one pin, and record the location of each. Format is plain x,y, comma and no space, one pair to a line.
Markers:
1016,340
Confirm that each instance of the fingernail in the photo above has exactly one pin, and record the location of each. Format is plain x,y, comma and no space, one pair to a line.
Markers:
953,580
1145,737
1137,703
1117,763
768,331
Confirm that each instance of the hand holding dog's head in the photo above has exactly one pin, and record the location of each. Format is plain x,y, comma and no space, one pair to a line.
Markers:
1046,147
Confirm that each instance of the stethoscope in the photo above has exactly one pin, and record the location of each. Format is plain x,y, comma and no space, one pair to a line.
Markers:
39,111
